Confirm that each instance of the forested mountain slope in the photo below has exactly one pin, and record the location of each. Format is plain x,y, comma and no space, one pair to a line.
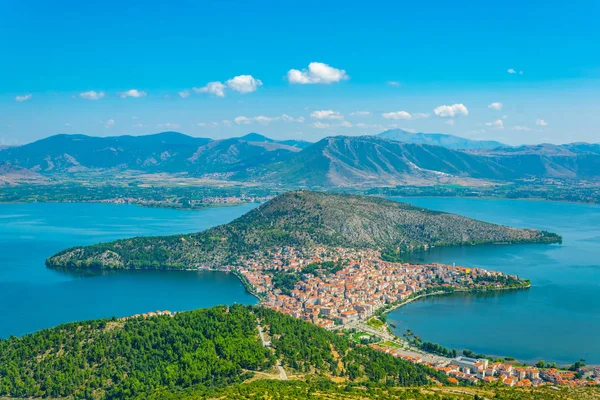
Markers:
301,219
128,359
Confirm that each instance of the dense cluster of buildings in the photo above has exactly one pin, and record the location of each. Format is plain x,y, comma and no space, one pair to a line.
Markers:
361,284
177,202
481,370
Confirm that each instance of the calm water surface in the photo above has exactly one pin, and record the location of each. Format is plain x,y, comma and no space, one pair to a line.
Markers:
558,319
34,297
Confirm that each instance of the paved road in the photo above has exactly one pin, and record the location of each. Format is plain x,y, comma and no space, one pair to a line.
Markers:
282,374
432,358
262,336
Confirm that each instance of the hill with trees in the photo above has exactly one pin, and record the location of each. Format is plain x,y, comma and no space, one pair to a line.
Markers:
300,219
218,346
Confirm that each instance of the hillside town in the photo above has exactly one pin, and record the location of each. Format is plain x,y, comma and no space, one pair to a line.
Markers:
359,284
482,370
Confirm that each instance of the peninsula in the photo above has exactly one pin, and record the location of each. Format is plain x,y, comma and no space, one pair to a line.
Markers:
325,258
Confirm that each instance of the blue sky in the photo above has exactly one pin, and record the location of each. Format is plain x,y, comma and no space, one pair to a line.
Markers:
433,66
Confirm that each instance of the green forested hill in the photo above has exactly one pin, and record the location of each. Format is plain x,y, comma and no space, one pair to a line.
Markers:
128,359
300,219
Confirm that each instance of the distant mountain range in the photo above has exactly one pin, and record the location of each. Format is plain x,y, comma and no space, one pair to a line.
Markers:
333,161
161,152
439,139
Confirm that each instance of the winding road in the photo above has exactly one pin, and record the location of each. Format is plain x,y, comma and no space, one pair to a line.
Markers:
282,374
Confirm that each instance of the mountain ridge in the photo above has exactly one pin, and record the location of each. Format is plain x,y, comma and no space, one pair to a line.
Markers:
335,161
439,139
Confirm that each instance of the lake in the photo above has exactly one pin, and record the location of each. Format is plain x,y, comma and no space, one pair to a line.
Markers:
557,319
33,297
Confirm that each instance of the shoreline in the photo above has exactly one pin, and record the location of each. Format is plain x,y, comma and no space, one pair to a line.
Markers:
530,199
442,293
165,207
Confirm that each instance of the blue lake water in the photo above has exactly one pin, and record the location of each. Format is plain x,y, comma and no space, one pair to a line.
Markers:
33,297
557,319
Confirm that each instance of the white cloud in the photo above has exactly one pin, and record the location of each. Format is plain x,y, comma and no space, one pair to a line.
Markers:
393,83
216,88
520,128
91,95
514,71
397,115
201,124
360,113
346,124
320,125
67,124
262,119
326,114
240,83
226,122
450,122
496,106
168,125
287,118
499,124
183,94
404,115
541,122
132,93
317,73
108,123
452,111
242,120
25,97
244,83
